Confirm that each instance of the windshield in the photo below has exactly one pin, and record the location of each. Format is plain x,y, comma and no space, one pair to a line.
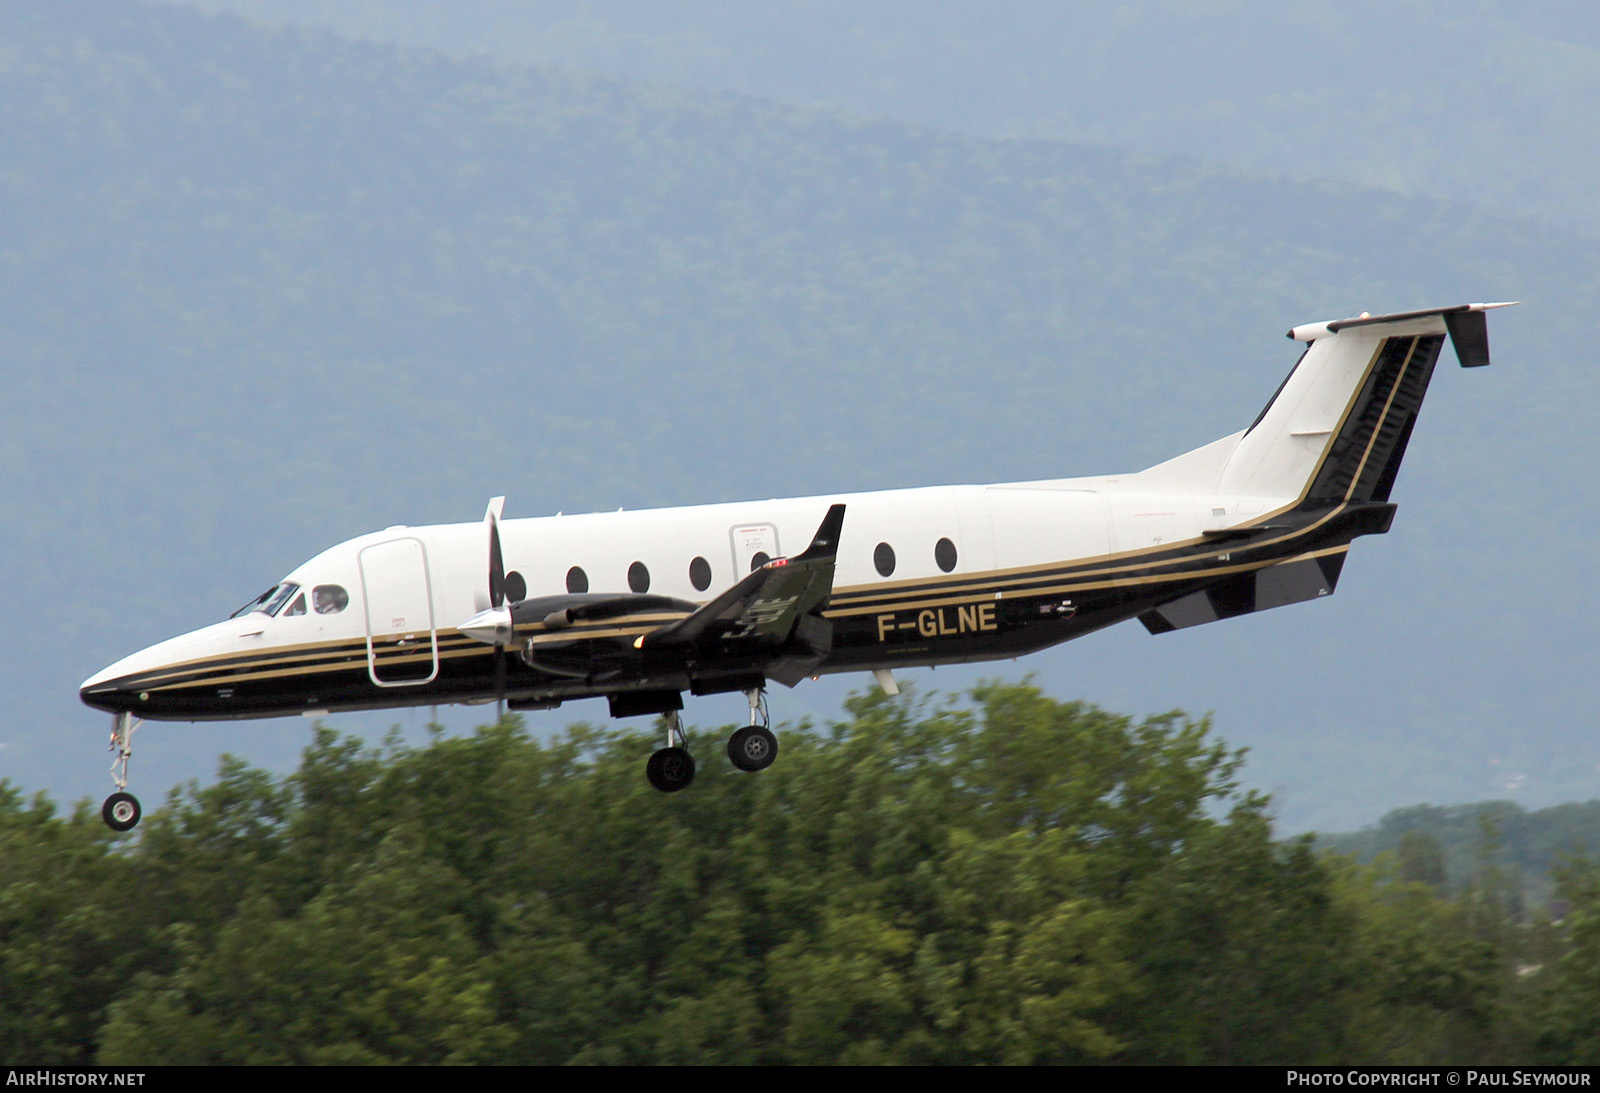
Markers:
255,604
269,601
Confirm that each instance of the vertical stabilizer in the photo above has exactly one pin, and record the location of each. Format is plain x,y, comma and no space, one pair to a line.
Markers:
1338,427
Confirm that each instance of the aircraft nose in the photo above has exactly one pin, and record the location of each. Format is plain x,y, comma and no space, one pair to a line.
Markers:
108,690
140,683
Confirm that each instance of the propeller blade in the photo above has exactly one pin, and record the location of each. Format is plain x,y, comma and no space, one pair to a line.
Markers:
500,682
497,565
496,624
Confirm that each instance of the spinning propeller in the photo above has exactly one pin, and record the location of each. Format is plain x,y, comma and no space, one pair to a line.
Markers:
494,626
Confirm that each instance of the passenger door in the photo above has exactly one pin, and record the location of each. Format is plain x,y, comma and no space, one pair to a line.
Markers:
402,643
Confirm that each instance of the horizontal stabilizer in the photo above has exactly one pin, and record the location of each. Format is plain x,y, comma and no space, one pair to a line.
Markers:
1466,324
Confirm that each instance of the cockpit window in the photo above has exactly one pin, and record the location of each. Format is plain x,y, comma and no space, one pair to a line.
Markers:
280,597
255,604
329,599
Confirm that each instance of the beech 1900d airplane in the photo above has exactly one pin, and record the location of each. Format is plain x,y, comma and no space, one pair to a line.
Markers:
640,607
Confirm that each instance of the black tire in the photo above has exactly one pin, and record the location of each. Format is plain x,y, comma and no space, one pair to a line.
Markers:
670,769
752,748
121,812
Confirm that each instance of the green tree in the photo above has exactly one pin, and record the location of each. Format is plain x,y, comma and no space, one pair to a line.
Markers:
1567,1024
74,925
371,970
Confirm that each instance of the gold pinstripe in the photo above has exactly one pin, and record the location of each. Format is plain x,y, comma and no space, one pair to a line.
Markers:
1377,428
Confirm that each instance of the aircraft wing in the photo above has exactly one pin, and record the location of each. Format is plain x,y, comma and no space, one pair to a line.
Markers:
772,607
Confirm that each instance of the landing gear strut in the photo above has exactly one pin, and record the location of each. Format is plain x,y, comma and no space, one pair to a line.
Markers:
121,811
751,748
671,768
754,747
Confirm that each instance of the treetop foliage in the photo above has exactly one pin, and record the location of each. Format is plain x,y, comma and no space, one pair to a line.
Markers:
1004,878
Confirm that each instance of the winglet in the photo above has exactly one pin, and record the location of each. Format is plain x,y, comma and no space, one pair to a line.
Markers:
825,543
770,601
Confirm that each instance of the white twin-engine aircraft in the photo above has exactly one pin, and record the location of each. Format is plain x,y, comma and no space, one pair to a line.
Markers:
626,605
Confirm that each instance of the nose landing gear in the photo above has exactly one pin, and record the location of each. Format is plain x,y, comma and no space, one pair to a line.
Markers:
121,810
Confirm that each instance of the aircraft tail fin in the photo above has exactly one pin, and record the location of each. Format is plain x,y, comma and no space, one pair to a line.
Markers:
1337,428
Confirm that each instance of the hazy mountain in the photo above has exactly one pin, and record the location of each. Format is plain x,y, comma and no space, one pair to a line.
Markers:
264,289
1464,844
1483,103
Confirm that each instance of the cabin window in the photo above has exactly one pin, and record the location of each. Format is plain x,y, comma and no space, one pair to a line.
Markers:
329,599
700,574
516,587
638,577
298,607
883,559
577,580
759,559
944,553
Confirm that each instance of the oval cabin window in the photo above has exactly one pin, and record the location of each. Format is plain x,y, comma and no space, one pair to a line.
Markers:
883,559
944,553
638,577
577,580
700,574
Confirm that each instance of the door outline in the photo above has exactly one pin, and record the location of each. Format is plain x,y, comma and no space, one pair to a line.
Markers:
388,583
746,540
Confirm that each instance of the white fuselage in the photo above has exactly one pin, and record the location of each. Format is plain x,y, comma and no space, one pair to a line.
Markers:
424,581
603,601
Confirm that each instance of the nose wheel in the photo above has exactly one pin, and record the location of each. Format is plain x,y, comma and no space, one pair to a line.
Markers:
121,811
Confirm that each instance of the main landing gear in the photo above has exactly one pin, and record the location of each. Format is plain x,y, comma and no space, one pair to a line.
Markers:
121,811
671,768
751,748
754,747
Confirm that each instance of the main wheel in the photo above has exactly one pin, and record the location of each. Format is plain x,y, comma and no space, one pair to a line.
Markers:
121,812
753,748
670,769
